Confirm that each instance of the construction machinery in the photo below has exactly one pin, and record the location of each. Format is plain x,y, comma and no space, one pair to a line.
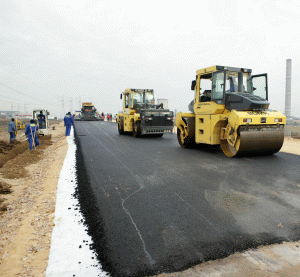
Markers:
231,109
141,116
88,112
43,123
19,124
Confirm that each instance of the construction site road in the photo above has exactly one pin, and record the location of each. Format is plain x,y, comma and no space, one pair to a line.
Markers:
152,207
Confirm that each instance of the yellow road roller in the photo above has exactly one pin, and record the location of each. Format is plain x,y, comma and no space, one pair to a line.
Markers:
231,108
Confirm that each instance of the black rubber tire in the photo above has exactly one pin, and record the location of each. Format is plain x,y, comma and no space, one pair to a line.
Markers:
120,129
136,130
189,142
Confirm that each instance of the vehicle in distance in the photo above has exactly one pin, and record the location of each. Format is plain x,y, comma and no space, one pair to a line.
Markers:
141,116
88,112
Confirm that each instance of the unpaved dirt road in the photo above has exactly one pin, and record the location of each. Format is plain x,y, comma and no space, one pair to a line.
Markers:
25,228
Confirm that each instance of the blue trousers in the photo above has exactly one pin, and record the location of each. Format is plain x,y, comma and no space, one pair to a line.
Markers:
12,136
68,129
36,141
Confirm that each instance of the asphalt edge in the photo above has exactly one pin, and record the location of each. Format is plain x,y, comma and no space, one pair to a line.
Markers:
88,207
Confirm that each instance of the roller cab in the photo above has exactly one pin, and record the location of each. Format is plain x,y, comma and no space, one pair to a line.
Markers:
231,108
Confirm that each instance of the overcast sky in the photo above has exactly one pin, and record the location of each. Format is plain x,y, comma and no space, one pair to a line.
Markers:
93,50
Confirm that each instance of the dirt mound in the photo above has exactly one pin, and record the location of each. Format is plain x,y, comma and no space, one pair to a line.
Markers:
3,207
6,147
10,151
5,188
14,161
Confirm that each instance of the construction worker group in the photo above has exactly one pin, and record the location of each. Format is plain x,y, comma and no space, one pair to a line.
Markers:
32,128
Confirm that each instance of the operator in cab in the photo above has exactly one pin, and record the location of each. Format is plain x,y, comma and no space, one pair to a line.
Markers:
42,120
31,133
69,121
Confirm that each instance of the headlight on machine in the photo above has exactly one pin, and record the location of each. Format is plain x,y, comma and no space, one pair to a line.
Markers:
278,119
248,120
169,118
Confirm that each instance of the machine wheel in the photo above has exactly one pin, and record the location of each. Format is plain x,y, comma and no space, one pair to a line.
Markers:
120,129
185,142
252,142
229,150
136,130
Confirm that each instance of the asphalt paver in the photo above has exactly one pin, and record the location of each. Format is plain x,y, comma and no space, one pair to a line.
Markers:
152,206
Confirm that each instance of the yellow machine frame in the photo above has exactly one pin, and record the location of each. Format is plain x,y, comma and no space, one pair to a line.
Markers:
213,123
129,114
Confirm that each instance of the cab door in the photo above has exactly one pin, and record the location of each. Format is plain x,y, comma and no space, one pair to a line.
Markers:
258,85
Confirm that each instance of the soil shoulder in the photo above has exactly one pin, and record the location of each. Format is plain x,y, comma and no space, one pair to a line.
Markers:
26,226
291,146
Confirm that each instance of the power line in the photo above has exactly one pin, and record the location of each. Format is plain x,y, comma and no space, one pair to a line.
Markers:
23,93
22,75
11,102
18,91
18,100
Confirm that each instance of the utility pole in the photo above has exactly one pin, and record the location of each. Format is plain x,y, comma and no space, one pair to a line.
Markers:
62,111
288,88
12,106
71,105
24,108
79,103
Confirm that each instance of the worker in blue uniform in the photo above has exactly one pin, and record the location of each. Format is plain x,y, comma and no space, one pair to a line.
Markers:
69,121
12,130
42,120
31,132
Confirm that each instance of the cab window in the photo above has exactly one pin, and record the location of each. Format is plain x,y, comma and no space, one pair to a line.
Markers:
130,100
205,90
218,86
126,100
138,97
149,98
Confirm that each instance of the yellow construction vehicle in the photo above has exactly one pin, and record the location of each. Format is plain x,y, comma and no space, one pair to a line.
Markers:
19,124
40,116
141,116
89,112
230,108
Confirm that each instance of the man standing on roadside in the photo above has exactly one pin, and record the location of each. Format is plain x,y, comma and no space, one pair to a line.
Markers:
31,132
69,121
12,129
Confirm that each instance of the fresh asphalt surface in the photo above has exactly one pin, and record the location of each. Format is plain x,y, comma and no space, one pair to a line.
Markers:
154,207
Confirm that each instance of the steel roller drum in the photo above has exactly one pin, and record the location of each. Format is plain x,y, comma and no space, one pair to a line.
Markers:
255,140
264,141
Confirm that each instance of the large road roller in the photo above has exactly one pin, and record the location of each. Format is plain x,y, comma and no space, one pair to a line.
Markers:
231,108
141,116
